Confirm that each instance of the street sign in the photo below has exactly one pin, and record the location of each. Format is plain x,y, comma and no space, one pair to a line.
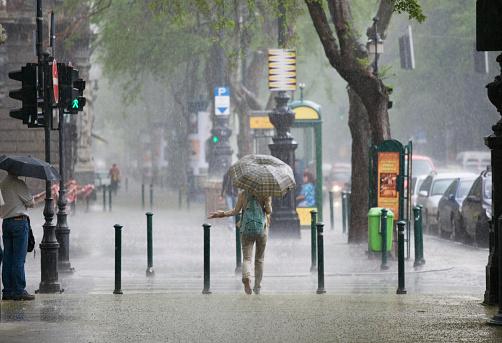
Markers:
221,101
282,69
55,82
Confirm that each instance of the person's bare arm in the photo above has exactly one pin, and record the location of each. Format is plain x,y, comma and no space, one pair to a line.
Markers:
237,209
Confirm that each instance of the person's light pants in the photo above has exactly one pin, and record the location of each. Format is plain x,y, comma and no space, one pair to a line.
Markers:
247,250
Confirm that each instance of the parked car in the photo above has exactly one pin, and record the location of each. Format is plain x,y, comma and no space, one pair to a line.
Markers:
475,161
430,192
421,166
416,182
338,178
450,207
477,209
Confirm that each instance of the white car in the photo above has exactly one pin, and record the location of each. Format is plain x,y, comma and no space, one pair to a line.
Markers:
429,194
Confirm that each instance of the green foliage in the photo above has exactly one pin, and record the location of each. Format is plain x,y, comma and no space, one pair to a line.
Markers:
412,7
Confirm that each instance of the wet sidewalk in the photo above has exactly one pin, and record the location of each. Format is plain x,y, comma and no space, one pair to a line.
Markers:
442,304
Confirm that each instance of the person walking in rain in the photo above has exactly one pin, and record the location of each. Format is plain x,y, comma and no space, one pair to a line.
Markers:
15,229
260,177
255,220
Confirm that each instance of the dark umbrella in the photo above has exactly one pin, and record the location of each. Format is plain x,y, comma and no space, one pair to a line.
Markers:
29,167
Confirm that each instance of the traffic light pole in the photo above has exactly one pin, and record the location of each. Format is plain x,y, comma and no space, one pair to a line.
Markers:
62,229
49,245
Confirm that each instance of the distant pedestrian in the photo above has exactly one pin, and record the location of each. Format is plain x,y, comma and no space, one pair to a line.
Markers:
254,223
114,174
15,228
306,197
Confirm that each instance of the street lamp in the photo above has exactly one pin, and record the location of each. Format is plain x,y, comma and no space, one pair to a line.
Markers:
374,46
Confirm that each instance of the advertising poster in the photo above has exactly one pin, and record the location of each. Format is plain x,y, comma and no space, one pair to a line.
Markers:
388,171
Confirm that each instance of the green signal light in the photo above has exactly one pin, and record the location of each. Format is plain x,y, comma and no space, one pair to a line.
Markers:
216,139
74,104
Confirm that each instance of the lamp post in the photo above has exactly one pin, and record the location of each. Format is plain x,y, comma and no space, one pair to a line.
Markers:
285,221
374,45
494,142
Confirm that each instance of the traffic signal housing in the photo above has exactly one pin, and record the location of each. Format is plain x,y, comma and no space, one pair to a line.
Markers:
27,94
72,87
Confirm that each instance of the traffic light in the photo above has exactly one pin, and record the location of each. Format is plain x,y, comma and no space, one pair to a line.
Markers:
27,94
215,139
72,98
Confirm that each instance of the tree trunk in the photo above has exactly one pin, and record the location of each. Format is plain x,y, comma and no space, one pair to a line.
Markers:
360,131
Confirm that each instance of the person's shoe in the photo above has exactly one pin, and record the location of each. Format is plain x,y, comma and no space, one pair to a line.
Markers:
24,296
247,286
7,297
256,290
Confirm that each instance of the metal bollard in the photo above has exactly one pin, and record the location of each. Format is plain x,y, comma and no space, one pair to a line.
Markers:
104,198
149,244
497,319
349,209
207,255
313,240
331,210
418,236
320,259
143,195
180,197
401,289
344,212
126,184
238,248
118,259
87,203
110,198
151,196
383,232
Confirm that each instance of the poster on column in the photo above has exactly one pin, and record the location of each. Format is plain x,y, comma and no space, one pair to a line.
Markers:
388,171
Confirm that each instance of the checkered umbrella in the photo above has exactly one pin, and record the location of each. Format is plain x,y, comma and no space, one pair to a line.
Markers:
263,175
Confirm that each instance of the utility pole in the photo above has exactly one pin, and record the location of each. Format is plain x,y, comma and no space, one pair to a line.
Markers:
49,245
62,229
285,221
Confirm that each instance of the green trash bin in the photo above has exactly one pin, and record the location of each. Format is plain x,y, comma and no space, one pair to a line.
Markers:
374,236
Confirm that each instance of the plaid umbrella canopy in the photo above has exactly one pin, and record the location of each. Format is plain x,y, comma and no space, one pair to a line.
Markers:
263,175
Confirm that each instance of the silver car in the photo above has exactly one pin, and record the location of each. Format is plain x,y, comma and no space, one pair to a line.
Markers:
429,194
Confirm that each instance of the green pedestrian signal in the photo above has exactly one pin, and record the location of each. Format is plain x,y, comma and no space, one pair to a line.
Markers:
75,104
216,139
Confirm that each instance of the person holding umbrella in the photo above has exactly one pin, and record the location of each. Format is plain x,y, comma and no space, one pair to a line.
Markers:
16,223
15,227
260,177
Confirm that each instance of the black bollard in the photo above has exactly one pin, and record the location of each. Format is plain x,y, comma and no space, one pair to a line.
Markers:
118,259
87,203
401,289
151,196
126,184
104,198
320,259
331,210
143,196
418,236
110,198
207,255
313,240
180,197
238,248
383,232
149,244
497,319
349,209
344,212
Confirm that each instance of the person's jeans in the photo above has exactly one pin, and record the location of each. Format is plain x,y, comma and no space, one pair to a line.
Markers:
15,243
247,251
